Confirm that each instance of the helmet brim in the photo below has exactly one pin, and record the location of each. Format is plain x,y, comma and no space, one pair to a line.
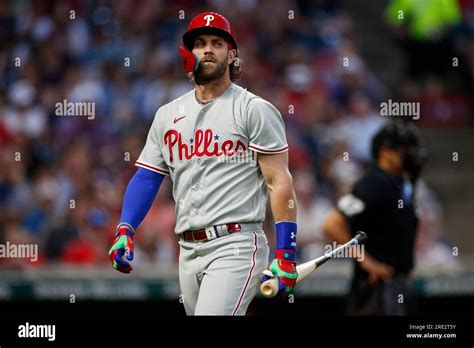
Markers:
191,35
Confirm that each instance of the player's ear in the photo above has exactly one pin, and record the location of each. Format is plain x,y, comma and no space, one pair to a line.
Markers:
232,56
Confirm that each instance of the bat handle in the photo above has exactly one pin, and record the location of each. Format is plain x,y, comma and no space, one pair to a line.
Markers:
269,288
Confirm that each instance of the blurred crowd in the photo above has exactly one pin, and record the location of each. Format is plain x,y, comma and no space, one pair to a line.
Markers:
62,178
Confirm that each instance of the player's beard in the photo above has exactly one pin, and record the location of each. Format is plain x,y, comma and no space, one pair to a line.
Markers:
207,73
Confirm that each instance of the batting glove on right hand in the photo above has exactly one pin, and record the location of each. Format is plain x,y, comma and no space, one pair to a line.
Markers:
123,244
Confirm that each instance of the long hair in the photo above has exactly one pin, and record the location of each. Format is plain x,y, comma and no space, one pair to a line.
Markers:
235,68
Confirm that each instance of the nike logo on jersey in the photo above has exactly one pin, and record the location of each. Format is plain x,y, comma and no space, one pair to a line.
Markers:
177,119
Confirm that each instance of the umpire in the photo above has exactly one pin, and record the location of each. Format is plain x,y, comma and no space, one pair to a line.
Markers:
381,204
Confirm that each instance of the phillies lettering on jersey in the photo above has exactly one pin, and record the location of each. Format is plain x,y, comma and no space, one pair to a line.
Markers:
188,141
204,143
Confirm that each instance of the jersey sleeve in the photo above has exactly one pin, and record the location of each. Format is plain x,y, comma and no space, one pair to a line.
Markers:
266,128
151,157
355,207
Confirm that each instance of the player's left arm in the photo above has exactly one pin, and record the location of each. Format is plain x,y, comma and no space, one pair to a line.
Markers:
280,185
283,203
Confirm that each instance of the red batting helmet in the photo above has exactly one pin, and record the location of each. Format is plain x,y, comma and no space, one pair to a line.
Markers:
209,23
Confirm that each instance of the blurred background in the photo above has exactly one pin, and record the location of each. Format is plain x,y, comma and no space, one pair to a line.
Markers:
62,178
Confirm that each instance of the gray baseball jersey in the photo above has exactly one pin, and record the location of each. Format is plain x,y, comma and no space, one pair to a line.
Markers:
209,153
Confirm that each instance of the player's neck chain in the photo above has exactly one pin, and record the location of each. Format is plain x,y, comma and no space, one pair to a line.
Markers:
204,102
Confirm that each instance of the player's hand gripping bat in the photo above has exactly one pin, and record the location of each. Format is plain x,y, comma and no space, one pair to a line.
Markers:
270,287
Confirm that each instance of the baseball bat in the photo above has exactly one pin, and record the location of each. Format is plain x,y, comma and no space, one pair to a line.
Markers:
269,288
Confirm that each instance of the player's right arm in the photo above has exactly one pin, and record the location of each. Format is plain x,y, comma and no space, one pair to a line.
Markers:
139,196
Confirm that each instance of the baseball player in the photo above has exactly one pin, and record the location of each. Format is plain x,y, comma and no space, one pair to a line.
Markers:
202,141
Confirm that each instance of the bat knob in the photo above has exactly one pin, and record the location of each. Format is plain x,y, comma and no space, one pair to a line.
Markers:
361,237
269,288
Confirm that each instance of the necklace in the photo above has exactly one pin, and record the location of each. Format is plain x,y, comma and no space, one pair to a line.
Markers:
203,102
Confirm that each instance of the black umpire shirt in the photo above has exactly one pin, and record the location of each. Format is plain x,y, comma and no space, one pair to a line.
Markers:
382,206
